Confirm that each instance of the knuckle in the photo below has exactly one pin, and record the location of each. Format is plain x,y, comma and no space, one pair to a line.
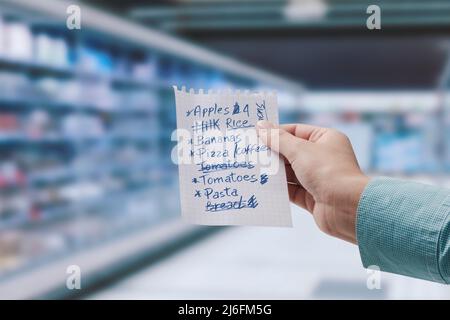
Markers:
341,135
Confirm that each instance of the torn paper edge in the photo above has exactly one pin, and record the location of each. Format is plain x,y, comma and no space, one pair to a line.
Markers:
239,92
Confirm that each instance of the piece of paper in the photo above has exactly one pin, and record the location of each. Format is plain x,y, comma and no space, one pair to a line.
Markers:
227,175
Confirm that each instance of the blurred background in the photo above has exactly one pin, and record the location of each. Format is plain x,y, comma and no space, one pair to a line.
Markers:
86,118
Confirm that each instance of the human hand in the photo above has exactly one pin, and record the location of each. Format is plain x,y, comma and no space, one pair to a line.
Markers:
322,172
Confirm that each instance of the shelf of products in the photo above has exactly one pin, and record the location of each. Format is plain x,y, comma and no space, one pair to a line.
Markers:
85,131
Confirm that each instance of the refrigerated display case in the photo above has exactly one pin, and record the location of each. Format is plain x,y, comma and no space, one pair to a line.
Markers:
86,118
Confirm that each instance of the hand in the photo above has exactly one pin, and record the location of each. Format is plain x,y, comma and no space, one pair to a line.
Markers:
322,172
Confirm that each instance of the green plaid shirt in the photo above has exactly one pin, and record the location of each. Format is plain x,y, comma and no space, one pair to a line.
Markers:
404,228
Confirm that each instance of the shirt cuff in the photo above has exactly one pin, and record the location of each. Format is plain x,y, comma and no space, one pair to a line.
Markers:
398,227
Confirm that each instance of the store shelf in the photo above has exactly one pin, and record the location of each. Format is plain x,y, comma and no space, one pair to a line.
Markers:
86,121
64,72
49,278
117,27
65,173
67,211
13,140
26,104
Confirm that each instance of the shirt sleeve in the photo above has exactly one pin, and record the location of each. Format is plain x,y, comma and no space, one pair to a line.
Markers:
404,227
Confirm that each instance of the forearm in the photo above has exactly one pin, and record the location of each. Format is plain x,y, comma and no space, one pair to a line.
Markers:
404,228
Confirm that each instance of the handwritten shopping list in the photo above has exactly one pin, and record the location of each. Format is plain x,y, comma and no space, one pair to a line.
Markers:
227,175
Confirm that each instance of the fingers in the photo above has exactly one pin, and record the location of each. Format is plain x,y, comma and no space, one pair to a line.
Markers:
304,131
279,140
297,195
290,175
288,140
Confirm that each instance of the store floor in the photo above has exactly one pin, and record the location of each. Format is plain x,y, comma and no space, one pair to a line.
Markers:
266,263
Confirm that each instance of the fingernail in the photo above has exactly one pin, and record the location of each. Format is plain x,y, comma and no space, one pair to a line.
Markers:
264,124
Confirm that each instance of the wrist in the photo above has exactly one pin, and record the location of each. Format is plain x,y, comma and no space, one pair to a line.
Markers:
346,205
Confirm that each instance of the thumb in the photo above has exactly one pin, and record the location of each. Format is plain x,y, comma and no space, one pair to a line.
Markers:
279,140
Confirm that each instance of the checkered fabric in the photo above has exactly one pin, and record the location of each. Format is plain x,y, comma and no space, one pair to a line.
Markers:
404,227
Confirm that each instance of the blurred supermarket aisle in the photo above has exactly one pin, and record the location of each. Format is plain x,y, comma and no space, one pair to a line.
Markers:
86,119
267,263
87,116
